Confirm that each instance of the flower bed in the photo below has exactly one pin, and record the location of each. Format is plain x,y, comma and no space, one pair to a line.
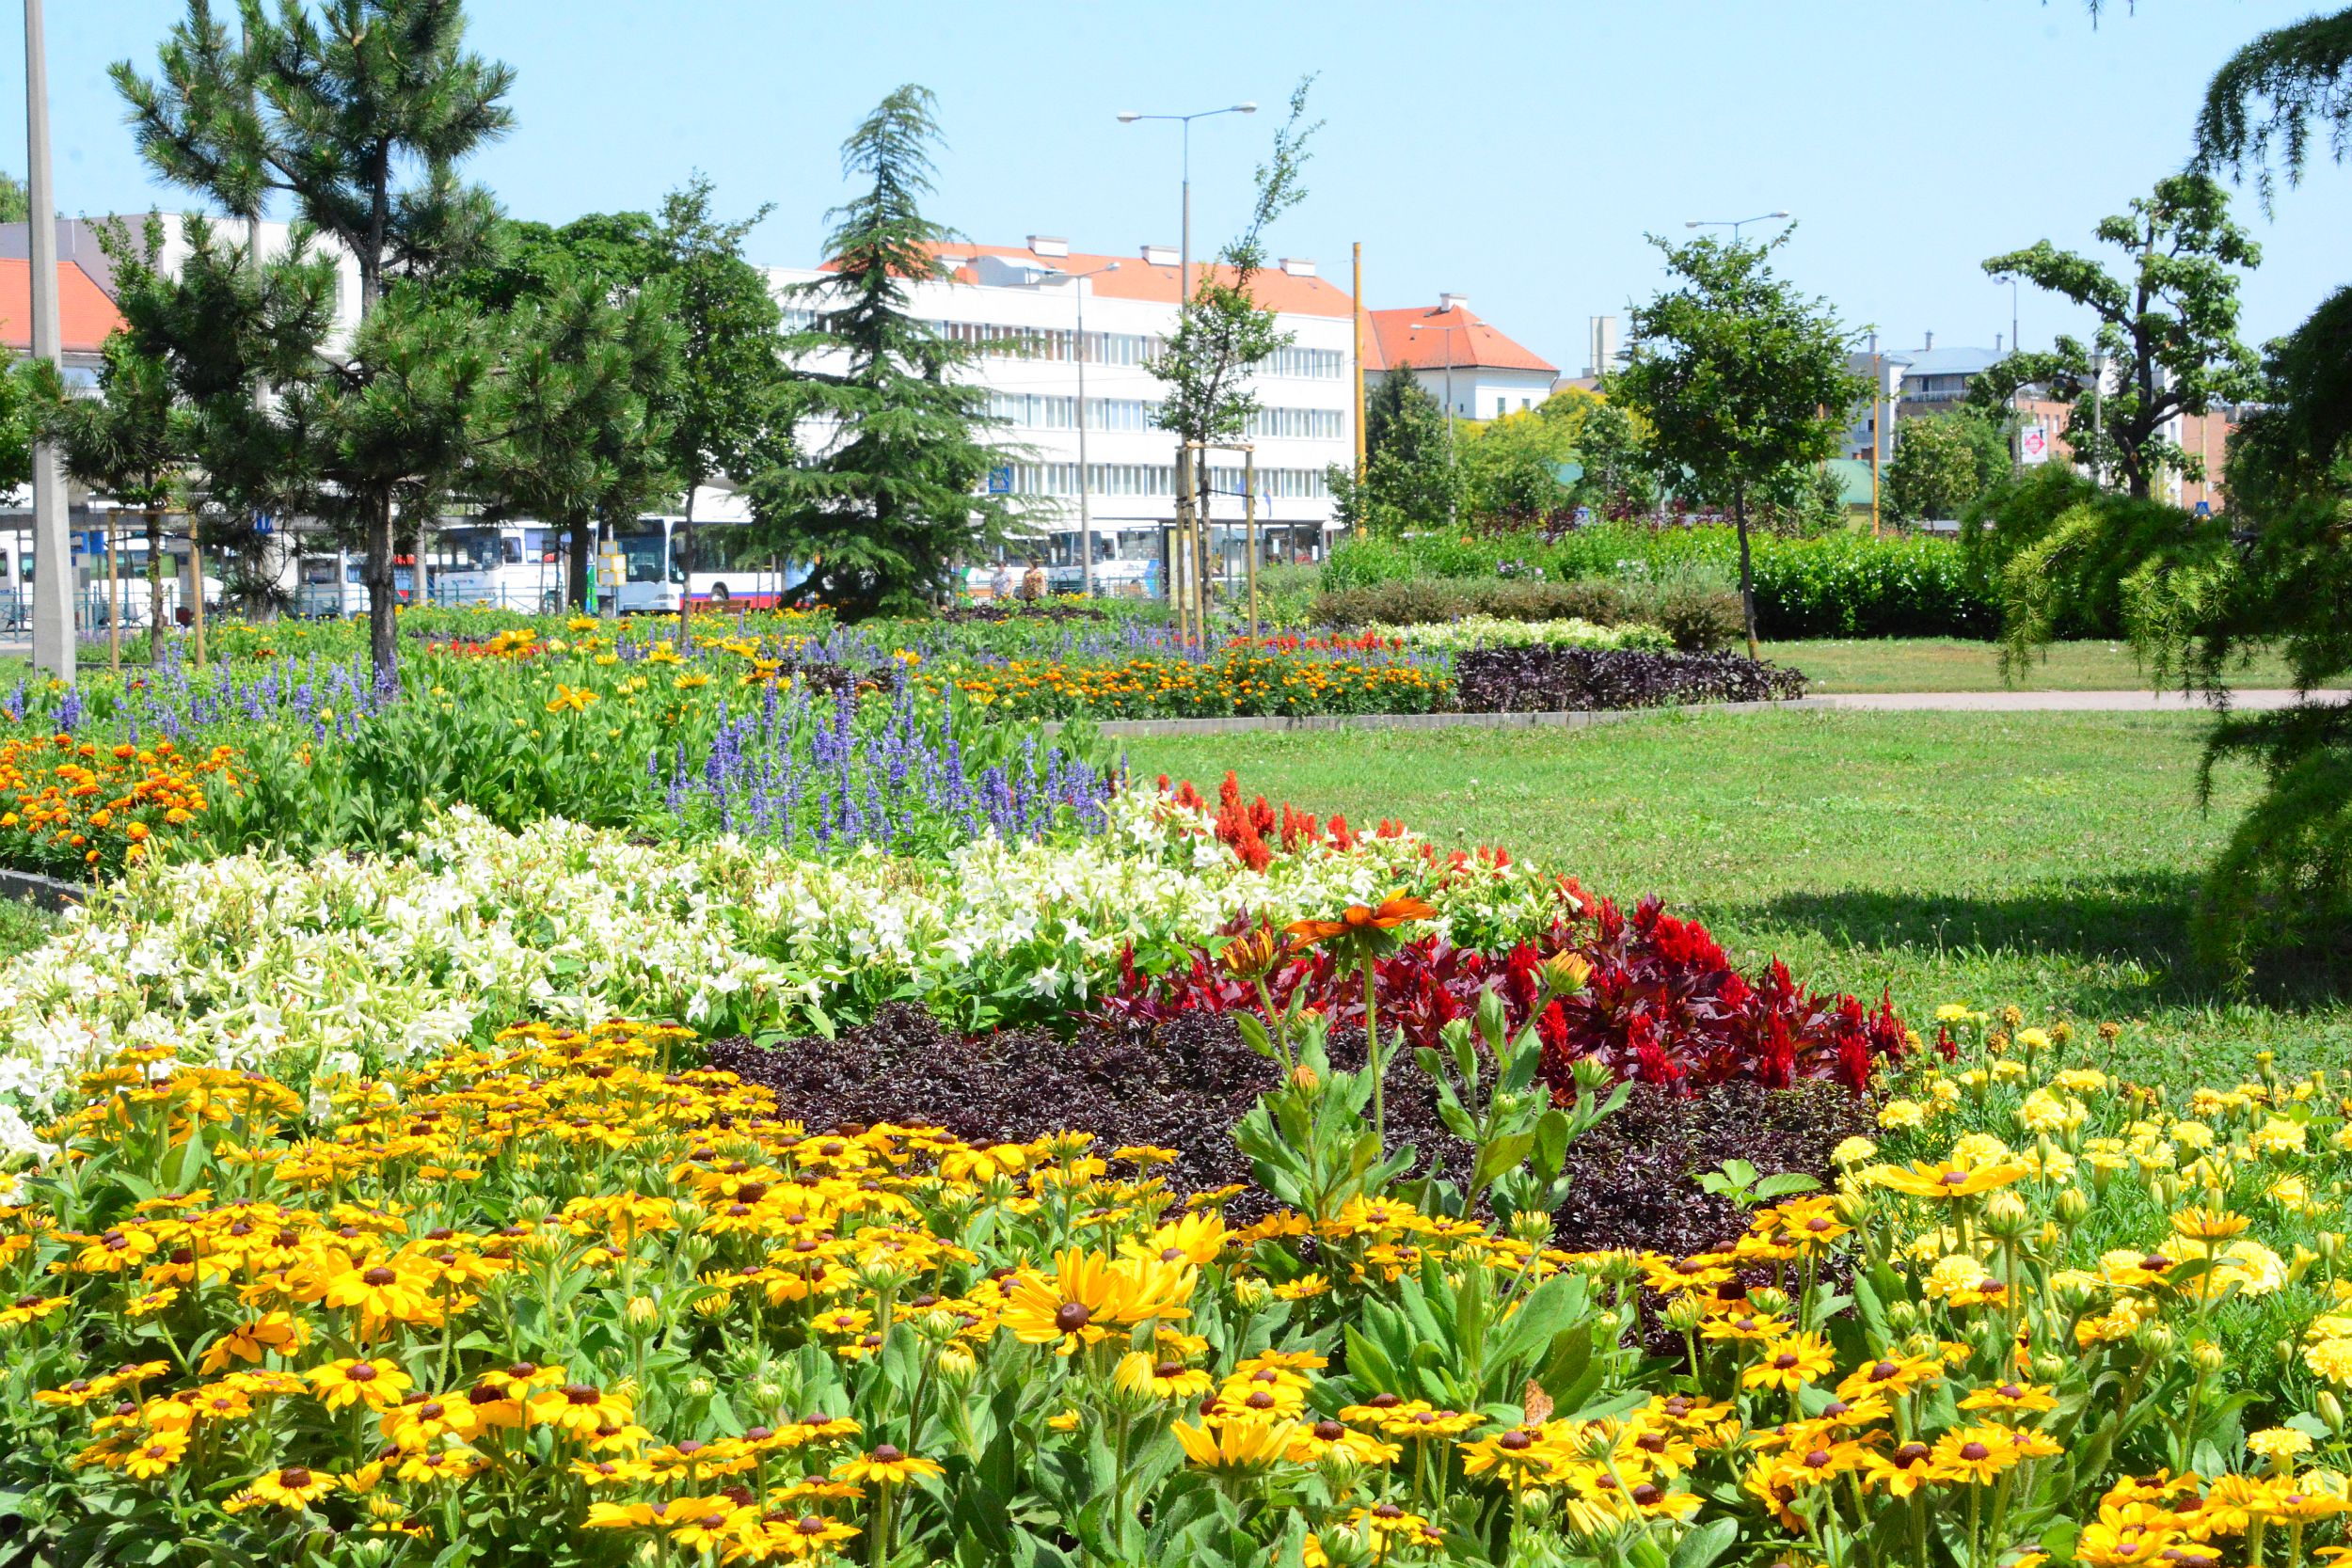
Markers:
278,962
70,808
1552,679
574,1300
1490,632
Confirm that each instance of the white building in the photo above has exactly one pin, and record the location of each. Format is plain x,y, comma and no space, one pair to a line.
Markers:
1467,366
1023,306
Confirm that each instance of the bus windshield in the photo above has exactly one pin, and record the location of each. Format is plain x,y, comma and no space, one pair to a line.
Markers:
646,552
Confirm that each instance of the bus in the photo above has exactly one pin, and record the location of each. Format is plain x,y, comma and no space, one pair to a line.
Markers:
729,574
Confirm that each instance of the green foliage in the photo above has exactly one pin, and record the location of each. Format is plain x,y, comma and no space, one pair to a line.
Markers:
15,201
887,510
2303,73
1741,379
1510,465
1695,614
1937,471
2168,330
1221,329
1620,478
1410,479
134,441
574,427
2198,594
337,111
1841,584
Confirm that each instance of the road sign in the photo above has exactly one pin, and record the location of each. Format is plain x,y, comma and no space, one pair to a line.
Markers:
2204,508
1000,480
262,523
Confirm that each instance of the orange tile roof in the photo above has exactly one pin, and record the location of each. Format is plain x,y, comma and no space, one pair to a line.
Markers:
1138,279
86,316
1390,340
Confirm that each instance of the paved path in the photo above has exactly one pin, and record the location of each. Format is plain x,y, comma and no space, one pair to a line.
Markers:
2045,702
1861,702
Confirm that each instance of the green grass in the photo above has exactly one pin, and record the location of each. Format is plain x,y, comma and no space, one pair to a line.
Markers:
2045,860
1950,664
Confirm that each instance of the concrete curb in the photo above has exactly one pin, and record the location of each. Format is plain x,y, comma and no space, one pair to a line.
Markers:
1850,701
44,891
1574,720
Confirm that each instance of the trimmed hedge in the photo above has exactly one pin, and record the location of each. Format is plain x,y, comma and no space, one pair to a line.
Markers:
1838,585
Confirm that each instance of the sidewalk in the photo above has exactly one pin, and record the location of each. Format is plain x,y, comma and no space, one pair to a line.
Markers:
1872,702
2049,702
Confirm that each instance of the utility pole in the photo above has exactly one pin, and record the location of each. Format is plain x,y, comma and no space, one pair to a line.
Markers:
53,553
1360,361
1249,514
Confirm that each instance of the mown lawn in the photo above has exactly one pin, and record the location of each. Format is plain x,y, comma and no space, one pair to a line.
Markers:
1950,664
2045,860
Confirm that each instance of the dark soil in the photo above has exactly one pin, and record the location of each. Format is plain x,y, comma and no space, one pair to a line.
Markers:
1185,1087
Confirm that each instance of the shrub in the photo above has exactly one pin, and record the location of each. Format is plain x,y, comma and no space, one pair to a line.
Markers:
1418,600
1550,680
1836,585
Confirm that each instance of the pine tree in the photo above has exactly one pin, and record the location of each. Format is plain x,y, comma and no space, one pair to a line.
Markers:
892,502
573,432
334,111
132,441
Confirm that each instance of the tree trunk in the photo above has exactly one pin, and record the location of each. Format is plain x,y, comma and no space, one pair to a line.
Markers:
686,569
196,572
576,567
1747,572
383,615
156,586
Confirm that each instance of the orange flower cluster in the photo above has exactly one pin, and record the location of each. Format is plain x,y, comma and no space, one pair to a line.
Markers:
1241,680
69,807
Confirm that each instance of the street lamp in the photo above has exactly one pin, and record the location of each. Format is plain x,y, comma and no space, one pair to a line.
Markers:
1078,353
1449,329
1735,225
52,558
2017,424
2098,432
1183,296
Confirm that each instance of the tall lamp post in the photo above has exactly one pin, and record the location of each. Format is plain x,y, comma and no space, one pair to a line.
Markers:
1452,507
1078,354
2016,345
53,560
1735,225
1185,452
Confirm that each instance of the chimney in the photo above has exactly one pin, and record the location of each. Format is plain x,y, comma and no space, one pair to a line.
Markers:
1928,347
1452,302
1048,244
1161,255
1298,266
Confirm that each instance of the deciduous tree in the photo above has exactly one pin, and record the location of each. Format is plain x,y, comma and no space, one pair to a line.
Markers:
2168,329
1740,378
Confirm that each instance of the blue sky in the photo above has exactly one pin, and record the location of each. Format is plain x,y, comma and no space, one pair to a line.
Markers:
1514,152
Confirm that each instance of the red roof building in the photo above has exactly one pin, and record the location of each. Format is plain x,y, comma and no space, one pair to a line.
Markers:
86,317
1479,373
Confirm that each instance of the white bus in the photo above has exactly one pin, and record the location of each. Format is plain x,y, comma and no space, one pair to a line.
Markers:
727,574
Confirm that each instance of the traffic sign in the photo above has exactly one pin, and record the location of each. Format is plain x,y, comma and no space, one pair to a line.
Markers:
1000,480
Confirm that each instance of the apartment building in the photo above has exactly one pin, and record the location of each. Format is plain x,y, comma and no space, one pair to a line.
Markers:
1473,370
1054,326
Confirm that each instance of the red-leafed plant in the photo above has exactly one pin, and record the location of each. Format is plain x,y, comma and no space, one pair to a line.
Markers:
1664,1005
